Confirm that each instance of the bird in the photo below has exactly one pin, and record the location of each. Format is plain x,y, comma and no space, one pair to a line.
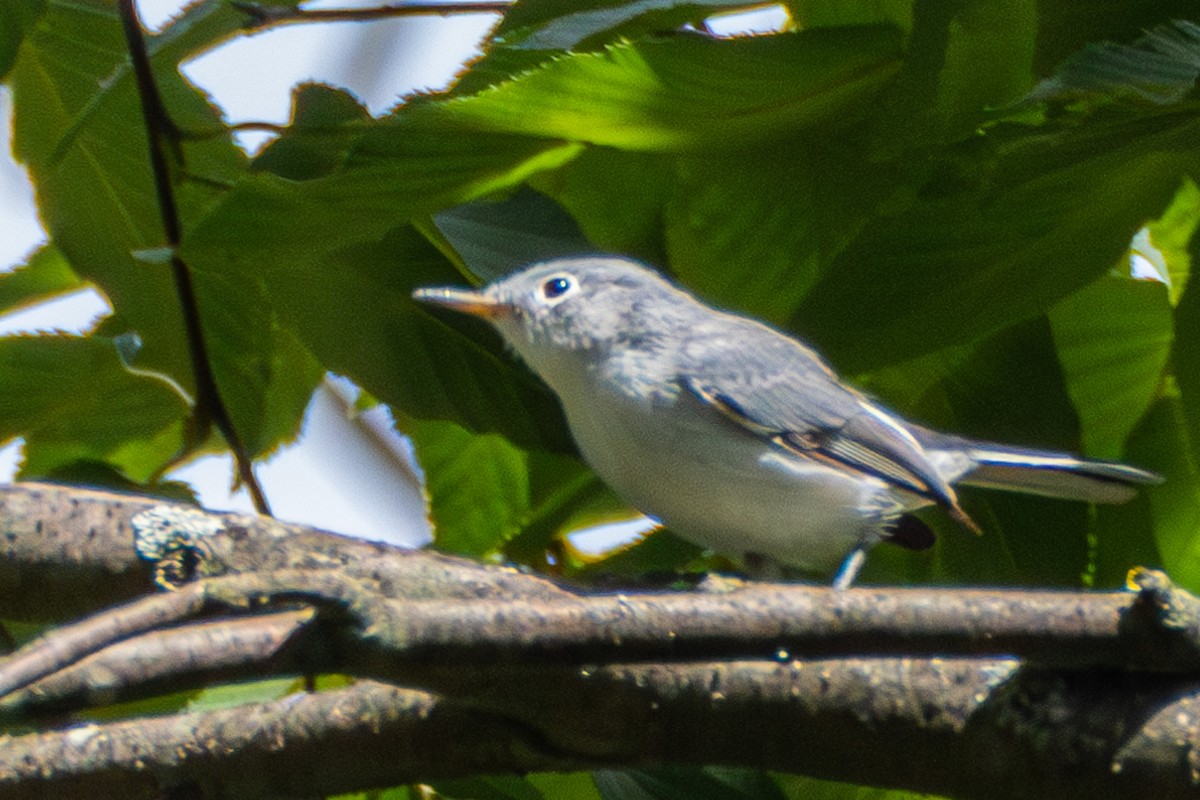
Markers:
737,436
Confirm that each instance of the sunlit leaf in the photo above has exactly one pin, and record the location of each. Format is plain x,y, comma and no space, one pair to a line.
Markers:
1170,234
799,787
484,491
502,787
1159,443
576,785
691,93
45,275
72,399
686,783
1113,339
1186,355
77,126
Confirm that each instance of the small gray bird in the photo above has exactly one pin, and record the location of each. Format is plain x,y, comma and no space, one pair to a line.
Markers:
736,436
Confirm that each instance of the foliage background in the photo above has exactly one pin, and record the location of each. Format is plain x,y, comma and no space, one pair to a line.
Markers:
898,182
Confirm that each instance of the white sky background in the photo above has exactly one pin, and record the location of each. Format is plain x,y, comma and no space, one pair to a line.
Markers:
351,476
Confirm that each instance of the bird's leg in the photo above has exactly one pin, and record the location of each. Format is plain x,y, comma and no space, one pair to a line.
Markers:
850,567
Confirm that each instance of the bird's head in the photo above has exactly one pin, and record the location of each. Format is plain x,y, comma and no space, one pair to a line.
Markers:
574,308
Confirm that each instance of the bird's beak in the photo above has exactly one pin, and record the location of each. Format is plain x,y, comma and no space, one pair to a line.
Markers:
467,301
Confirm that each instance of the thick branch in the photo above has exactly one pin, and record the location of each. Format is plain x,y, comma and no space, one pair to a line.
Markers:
765,676
967,727
384,638
68,552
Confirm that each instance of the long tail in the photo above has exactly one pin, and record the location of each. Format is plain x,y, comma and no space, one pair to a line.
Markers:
1019,469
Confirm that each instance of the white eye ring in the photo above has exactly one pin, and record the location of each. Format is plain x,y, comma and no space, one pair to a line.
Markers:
557,287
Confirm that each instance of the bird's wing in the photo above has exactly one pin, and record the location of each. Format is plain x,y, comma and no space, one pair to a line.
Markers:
781,391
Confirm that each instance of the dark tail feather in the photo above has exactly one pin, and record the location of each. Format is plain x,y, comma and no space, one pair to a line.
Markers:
1050,474
1055,474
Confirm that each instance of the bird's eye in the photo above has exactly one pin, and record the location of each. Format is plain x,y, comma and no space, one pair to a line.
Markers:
556,287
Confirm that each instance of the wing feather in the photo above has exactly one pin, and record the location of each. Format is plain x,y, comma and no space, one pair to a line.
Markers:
781,391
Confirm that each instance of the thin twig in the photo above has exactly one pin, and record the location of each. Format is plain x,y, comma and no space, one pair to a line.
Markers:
262,16
161,134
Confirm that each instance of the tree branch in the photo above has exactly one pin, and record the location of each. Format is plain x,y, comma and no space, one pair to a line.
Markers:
172,660
69,552
263,16
162,134
913,688
924,725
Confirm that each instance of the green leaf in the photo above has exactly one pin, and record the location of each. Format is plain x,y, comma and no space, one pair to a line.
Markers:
495,238
799,787
478,486
496,787
1186,355
1008,389
944,90
77,125
1160,67
1170,234
770,219
294,376
1066,28
484,491
1002,35
617,197
72,399
686,783
244,693
45,275
392,172
575,785
325,121
1024,219
1113,338
761,224
286,237
97,473
688,93
835,14
17,17
1123,537
354,312
1160,443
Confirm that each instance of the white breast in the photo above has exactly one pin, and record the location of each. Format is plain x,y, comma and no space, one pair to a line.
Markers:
713,483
